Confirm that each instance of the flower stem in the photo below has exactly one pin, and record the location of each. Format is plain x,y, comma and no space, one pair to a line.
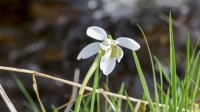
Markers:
85,81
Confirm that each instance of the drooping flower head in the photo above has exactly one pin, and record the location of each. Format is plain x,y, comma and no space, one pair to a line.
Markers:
109,49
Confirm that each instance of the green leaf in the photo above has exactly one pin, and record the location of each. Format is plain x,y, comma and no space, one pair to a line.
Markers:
119,104
95,84
153,70
26,93
129,103
92,69
143,81
172,64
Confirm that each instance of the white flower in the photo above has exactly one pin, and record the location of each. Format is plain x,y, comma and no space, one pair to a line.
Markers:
108,49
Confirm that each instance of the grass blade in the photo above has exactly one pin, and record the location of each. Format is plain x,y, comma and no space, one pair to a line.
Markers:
119,104
153,70
129,103
196,86
98,102
163,70
187,72
108,100
167,101
85,102
172,64
95,84
26,93
143,81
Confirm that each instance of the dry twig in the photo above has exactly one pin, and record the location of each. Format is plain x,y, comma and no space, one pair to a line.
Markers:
107,99
37,94
30,72
74,90
71,101
7,100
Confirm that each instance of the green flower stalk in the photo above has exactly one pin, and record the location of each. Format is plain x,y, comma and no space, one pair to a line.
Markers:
85,81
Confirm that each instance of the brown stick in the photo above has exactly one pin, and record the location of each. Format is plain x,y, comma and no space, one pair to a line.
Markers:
30,72
7,100
74,90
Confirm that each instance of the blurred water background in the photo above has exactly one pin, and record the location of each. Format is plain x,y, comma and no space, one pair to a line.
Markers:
47,35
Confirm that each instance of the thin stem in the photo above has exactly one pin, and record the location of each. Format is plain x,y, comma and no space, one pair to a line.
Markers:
37,94
95,84
85,81
108,100
7,100
71,102
74,89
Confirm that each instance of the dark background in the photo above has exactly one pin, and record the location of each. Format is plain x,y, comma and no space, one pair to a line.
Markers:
47,35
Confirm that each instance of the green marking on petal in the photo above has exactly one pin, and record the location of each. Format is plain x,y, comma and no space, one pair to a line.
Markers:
118,53
101,52
114,51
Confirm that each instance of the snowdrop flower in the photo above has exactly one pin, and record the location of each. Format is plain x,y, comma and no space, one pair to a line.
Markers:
109,49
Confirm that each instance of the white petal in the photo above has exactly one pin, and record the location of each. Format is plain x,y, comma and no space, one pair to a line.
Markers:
89,50
107,66
96,33
106,55
128,43
121,54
